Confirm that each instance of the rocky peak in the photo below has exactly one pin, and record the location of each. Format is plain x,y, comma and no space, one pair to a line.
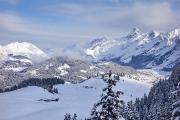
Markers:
173,33
135,33
98,41
153,34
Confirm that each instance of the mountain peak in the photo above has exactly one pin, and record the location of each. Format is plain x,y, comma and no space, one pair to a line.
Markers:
25,49
136,30
174,33
153,34
99,40
134,33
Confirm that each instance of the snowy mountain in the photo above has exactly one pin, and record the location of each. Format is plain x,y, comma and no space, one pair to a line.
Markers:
159,51
17,56
22,49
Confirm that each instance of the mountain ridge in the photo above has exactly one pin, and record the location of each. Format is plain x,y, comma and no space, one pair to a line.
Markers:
152,50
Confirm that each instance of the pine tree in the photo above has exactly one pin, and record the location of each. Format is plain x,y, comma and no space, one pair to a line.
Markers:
110,105
130,112
176,104
67,117
74,116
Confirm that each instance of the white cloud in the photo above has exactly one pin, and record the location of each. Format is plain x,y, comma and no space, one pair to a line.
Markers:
146,16
15,28
14,24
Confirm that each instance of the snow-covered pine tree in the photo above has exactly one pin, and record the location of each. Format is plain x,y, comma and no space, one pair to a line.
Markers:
130,112
176,104
110,105
67,117
74,116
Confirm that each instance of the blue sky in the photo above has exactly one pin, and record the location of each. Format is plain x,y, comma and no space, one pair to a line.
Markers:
59,23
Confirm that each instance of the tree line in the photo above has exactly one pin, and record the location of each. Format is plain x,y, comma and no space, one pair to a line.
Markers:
45,83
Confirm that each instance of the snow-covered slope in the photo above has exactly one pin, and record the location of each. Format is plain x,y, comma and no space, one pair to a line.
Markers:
99,46
15,56
24,49
72,70
154,50
23,104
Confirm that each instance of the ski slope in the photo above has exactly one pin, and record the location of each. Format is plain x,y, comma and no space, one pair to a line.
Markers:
79,98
